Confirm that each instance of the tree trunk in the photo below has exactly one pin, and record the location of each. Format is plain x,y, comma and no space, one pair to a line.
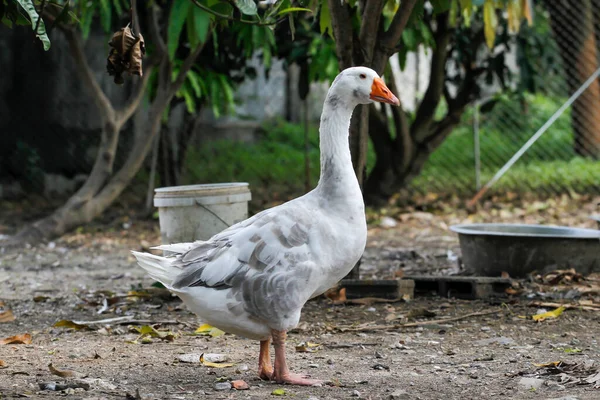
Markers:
573,28
102,186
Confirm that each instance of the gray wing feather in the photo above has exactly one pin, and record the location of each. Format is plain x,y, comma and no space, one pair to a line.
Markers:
262,260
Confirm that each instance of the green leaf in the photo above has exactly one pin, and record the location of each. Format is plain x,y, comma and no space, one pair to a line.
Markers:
440,6
29,7
177,18
247,7
63,16
190,104
201,24
194,79
87,15
467,11
490,22
105,15
409,37
294,9
325,20
118,8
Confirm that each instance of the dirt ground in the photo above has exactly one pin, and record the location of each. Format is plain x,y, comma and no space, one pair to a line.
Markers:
89,276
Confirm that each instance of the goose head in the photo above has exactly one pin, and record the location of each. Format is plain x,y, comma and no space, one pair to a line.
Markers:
360,85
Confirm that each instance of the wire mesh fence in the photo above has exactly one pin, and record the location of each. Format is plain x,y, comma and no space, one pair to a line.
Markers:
563,52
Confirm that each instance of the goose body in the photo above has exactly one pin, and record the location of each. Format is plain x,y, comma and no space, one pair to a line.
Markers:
253,278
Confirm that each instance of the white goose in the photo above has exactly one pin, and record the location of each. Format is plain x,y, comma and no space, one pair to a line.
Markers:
253,278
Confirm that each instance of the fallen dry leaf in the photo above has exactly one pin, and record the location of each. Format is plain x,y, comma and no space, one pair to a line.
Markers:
65,323
5,314
17,339
146,331
594,379
65,373
307,347
208,330
278,392
215,360
2,364
550,314
550,364
240,385
337,296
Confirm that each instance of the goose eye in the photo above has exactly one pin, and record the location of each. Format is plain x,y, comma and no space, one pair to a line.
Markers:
363,76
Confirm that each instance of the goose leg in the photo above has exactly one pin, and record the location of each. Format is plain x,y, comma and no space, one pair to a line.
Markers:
265,368
282,374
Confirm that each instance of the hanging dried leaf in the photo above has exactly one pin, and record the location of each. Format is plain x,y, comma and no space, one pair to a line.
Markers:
17,339
526,7
514,14
125,54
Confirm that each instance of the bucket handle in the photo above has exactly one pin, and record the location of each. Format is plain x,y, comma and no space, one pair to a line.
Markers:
214,214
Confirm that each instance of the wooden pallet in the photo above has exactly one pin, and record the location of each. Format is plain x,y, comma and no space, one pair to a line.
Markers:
463,287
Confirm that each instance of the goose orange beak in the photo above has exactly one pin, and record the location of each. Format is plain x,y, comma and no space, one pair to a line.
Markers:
380,92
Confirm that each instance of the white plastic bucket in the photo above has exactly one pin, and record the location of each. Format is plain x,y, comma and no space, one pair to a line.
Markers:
197,212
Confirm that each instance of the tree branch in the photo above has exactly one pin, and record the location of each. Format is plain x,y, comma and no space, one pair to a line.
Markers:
369,26
431,99
229,18
342,31
387,40
154,30
188,63
107,112
124,113
403,140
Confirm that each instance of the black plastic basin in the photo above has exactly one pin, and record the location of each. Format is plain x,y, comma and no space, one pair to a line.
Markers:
519,249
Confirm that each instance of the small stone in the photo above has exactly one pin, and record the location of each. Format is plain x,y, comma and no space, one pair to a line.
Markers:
485,328
240,385
222,386
313,365
531,383
379,355
189,358
355,393
399,395
566,398
371,309
330,362
388,222
242,368
473,375
313,398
